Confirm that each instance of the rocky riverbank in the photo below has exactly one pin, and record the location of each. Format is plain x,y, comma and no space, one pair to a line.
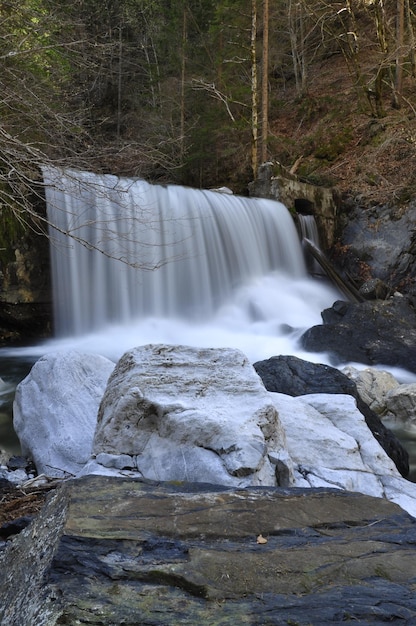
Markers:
375,332
122,551
205,490
188,414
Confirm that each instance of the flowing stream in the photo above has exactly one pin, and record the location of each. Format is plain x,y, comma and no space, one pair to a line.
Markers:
168,264
134,263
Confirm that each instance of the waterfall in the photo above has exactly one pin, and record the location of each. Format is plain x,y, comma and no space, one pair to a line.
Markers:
148,263
158,250
308,228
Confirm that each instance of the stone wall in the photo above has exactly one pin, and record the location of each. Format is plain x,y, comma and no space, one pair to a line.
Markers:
299,197
25,292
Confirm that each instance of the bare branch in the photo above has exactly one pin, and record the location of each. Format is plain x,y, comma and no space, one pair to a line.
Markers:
200,83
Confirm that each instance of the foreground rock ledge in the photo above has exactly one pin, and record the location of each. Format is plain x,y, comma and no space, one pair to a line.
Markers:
121,551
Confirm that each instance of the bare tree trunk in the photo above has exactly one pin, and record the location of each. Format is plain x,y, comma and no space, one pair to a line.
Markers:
119,79
183,74
411,36
297,44
382,39
302,54
254,94
398,83
293,44
265,82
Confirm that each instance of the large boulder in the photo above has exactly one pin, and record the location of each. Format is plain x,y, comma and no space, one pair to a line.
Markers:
394,402
181,413
330,445
121,551
373,332
178,413
296,377
55,410
400,404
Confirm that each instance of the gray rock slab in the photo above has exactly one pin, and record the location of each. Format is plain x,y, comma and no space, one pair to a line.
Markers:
296,377
55,410
122,551
183,413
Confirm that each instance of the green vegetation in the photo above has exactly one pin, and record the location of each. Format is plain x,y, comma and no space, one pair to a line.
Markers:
164,90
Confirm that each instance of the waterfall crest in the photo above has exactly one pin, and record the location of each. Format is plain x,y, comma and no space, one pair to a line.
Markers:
124,249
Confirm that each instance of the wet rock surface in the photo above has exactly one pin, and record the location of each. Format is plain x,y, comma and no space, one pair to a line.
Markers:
177,413
296,377
123,551
380,240
373,332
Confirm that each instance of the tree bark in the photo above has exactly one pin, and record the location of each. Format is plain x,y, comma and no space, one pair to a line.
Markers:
183,74
411,36
254,94
381,71
398,83
265,82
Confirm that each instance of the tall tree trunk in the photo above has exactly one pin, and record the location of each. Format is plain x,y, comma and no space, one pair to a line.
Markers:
293,43
381,71
297,43
254,94
411,36
398,83
265,83
119,79
183,75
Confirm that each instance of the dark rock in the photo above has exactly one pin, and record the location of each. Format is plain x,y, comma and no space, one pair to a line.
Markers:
373,332
22,322
15,527
120,551
379,242
374,289
295,377
19,462
6,485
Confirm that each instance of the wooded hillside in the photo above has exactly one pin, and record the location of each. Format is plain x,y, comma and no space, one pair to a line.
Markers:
198,92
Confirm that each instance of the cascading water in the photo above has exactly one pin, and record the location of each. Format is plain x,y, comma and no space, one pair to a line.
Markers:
308,228
199,246
135,263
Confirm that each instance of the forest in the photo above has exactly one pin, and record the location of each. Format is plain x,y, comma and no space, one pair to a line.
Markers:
199,92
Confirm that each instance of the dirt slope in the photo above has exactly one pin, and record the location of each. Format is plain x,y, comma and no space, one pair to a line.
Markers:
330,136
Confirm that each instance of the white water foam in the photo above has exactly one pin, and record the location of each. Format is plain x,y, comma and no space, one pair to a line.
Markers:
227,271
263,319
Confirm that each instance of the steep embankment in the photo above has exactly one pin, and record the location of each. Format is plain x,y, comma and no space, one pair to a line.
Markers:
330,136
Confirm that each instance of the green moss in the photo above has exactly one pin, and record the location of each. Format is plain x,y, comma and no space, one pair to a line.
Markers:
309,173
11,230
331,148
405,195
